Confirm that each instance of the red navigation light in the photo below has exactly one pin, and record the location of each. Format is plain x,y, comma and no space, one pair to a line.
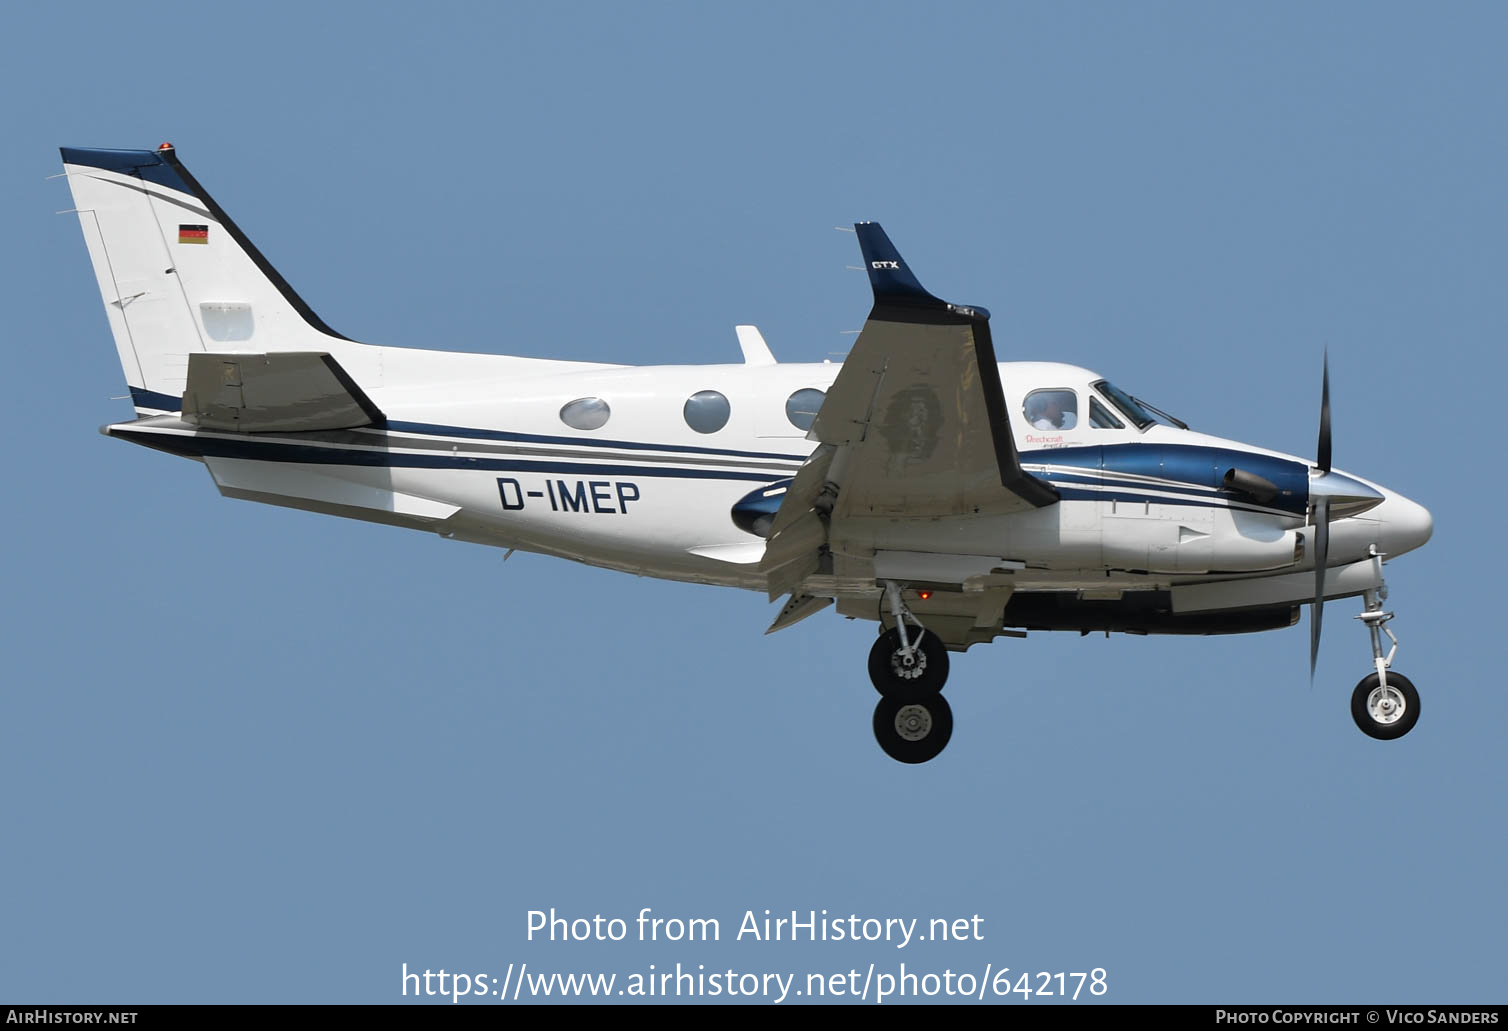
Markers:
165,146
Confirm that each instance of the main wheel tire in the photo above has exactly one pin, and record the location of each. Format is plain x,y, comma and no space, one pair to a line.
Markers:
892,674
1385,714
915,729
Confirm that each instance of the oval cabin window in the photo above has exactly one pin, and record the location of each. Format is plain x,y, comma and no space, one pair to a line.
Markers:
706,411
801,407
585,413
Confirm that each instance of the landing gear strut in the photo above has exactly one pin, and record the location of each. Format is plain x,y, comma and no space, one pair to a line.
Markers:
1384,705
907,660
909,666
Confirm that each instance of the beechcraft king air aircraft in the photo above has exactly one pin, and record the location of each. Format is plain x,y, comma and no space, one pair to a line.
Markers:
920,484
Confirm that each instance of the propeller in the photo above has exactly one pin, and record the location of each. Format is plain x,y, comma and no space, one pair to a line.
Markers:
1332,495
1321,523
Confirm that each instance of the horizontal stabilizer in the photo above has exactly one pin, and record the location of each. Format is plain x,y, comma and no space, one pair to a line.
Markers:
285,392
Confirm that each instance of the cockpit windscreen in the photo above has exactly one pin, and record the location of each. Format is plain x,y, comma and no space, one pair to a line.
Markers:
1137,410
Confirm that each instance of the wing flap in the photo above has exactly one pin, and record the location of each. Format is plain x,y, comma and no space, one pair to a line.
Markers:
284,392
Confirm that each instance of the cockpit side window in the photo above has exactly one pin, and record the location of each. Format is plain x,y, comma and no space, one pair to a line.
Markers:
1101,418
1055,409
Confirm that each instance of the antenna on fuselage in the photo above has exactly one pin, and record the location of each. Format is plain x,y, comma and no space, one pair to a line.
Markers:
751,342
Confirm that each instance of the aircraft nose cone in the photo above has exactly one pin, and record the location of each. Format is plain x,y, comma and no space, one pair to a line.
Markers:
1406,525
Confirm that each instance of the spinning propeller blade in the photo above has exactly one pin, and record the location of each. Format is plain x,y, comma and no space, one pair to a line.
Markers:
1321,554
1322,452
1321,524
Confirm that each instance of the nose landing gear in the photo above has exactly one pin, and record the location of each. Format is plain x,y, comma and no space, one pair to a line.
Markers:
1384,705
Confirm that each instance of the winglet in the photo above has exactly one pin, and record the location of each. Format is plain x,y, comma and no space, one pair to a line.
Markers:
889,275
893,281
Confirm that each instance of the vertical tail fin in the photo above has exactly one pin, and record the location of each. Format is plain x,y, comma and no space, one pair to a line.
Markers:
176,274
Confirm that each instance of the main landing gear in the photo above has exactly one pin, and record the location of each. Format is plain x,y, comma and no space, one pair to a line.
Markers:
1384,705
909,666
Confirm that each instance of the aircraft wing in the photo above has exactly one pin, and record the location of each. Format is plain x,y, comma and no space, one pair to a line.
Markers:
914,426
919,403
285,391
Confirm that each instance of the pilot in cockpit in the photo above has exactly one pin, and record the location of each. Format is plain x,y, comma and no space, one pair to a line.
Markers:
1052,410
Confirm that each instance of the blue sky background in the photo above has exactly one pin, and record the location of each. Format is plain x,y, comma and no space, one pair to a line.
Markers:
249,754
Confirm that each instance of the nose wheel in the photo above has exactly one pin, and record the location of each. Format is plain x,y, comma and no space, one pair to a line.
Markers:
1385,711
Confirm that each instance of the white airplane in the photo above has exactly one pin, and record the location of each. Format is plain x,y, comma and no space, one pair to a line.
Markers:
920,484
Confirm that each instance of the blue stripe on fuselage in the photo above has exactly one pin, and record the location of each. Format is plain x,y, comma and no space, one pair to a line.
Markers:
438,430
1193,470
168,403
201,446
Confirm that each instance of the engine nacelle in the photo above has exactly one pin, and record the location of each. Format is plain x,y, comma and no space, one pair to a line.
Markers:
755,511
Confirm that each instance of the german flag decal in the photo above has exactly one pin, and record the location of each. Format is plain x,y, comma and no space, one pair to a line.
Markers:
193,234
